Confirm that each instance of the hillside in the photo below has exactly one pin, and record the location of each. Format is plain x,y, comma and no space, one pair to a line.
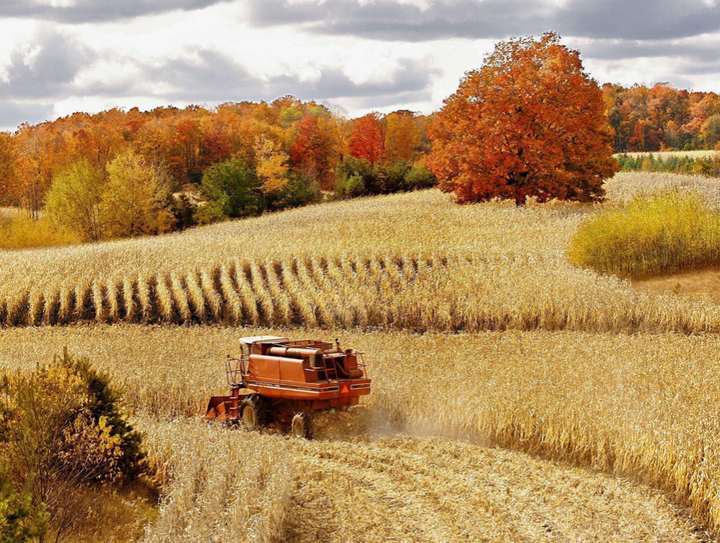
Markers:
413,261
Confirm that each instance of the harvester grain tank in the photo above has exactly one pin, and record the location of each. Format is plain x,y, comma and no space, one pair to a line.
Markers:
275,379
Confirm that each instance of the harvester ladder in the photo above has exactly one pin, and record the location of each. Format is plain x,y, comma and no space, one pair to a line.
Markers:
330,370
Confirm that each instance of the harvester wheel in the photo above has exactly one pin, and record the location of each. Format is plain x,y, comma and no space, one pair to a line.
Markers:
253,413
300,426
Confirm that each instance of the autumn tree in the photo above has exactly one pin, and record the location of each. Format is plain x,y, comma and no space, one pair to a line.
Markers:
271,165
136,198
530,122
310,151
74,199
229,189
367,140
402,136
8,170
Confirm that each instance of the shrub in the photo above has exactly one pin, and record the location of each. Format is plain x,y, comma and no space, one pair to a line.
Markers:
62,431
650,235
21,232
419,177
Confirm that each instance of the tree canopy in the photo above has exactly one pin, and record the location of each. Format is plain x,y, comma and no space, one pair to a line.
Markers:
530,122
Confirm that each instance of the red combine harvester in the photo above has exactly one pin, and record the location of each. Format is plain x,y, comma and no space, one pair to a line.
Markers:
283,380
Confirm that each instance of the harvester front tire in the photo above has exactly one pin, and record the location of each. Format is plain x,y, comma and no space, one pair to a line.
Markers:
300,426
253,413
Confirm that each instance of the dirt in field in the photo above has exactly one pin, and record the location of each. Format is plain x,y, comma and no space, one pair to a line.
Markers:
700,285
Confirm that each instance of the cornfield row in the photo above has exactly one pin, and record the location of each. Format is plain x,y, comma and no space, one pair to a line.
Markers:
442,291
220,485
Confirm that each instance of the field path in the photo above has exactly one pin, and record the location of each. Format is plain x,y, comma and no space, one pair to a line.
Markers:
430,489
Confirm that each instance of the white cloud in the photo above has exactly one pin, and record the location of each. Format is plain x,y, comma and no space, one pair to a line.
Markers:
147,53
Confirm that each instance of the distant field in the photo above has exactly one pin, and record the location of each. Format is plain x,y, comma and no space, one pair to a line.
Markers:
668,154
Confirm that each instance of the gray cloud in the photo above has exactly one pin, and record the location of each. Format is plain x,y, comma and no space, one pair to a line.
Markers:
48,73
210,76
14,113
390,20
85,11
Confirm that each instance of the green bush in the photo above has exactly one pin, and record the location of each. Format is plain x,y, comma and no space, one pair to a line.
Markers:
649,236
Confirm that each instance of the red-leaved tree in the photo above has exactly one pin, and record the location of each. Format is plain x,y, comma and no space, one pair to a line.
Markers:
530,122
311,150
367,139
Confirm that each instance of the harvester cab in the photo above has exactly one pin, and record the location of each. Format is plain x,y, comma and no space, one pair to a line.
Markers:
276,379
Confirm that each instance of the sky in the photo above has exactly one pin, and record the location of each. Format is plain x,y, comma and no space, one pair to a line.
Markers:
62,56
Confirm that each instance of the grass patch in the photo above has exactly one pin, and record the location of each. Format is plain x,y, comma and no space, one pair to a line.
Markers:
18,231
650,235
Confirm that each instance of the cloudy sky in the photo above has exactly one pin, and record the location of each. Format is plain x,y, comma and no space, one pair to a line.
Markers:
61,56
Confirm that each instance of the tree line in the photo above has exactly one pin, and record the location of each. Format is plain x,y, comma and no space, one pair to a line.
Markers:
125,173
661,118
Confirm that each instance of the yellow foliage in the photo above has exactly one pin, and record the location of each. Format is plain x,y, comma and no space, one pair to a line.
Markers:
271,165
21,232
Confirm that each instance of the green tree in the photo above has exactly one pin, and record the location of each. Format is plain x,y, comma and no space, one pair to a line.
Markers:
74,200
137,198
710,132
230,189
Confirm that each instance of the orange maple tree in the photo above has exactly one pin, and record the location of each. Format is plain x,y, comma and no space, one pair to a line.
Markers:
367,139
530,122
310,151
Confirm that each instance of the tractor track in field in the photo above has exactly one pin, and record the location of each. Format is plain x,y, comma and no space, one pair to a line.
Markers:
403,488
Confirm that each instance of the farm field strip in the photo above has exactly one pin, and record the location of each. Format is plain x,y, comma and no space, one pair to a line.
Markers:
644,406
490,267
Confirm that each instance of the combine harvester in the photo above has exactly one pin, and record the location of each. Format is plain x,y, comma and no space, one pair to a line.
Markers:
276,379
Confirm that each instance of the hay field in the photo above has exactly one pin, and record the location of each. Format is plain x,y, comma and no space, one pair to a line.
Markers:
412,261
543,392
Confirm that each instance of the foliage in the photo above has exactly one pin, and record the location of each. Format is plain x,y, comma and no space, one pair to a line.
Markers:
529,123
270,165
358,177
230,189
311,151
367,140
661,118
74,200
651,235
20,519
674,163
136,199
62,431
22,232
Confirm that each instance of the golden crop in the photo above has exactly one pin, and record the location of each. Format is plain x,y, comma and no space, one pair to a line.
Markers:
624,187
413,261
541,362
635,405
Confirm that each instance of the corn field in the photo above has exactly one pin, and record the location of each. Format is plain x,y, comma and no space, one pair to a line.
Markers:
415,261
546,358
624,187
627,404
